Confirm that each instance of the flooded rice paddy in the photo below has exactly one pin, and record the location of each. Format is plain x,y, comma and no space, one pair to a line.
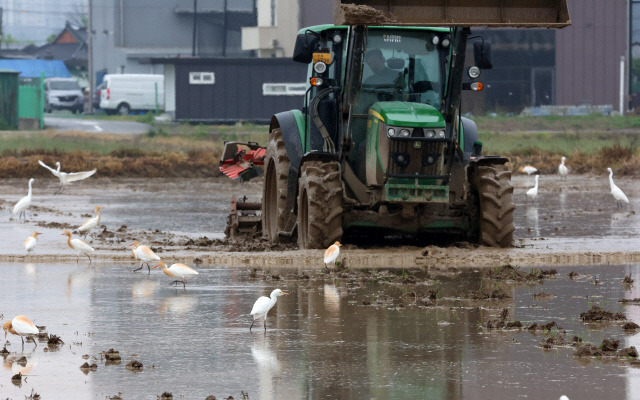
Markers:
407,334
335,336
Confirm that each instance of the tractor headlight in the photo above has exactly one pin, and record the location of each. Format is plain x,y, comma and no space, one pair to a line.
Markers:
320,67
473,72
446,42
441,133
391,132
405,132
430,134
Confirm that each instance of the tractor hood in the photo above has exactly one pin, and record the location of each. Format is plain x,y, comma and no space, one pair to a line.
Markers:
398,113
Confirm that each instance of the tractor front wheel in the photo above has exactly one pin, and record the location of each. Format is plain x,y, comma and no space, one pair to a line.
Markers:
319,205
495,198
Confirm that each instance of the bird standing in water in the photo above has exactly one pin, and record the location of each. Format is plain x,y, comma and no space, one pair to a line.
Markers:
331,254
31,241
91,222
144,254
78,245
20,326
179,271
617,193
21,206
262,306
67,177
562,169
533,192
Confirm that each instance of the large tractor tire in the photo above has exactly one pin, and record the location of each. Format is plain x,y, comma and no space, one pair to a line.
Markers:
319,205
275,217
495,203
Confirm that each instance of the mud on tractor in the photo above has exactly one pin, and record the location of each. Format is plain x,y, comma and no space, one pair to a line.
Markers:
380,143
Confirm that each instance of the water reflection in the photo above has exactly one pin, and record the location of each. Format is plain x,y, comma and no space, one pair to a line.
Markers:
532,220
336,338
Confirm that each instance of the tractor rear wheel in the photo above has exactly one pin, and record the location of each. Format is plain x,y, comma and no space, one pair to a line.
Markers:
275,217
319,205
495,198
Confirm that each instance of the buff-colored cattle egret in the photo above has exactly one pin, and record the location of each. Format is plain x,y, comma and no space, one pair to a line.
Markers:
562,169
179,271
528,169
67,177
20,326
31,241
615,191
262,306
331,254
533,192
22,205
91,222
144,254
78,245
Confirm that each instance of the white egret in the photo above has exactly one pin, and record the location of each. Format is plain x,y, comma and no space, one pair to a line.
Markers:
179,271
78,245
91,222
31,242
67,177
331,254
262,306
533,192
562,169
615,191
528,169
144,254
20,326
22,205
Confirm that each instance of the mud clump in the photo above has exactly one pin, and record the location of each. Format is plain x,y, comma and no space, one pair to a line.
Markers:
630,326
545,327
54,225
200,242
607,349
4,350
111,357
166,396
54,341
86,368
630,301
353,14
553,341
511,273
543,296
599,314
496,294
17,379
135,366
502,322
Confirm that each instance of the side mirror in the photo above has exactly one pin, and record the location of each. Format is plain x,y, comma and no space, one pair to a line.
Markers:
305,45
482,54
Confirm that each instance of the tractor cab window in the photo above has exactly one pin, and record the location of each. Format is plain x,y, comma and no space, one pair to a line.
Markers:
400,66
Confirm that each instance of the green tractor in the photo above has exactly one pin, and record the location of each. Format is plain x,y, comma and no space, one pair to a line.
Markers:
380,143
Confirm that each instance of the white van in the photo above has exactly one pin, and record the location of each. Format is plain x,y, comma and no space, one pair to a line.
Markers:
123,93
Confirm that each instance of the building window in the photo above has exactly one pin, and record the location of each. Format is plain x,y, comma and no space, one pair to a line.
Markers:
202,78
284,89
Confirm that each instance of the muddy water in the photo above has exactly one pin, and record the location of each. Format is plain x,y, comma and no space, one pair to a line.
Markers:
332,337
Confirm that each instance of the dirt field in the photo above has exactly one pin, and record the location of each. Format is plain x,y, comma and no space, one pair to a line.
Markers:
572,223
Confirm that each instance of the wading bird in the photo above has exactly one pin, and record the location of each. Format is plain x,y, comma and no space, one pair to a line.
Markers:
331,254
144,254
179,271
615,191
528,169
31,242
78,245
20,326
67,177
262,306
91,222
563,170
21,206
533,192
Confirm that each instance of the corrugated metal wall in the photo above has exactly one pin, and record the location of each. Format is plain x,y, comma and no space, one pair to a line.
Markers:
237,93
588,52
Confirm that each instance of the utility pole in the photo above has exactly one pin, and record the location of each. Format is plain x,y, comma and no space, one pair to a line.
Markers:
90,59
1,37
195,27
224,33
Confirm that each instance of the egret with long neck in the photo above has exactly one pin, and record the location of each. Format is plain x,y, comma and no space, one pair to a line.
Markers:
617,193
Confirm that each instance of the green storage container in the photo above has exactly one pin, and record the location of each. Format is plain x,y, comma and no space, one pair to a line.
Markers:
9,89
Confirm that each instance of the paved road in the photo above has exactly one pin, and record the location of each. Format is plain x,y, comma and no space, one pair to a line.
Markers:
95,125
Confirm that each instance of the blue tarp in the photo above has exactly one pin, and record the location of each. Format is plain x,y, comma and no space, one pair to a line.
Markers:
34,68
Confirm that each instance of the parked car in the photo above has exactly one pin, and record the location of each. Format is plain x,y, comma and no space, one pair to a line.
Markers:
63,94
123,93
